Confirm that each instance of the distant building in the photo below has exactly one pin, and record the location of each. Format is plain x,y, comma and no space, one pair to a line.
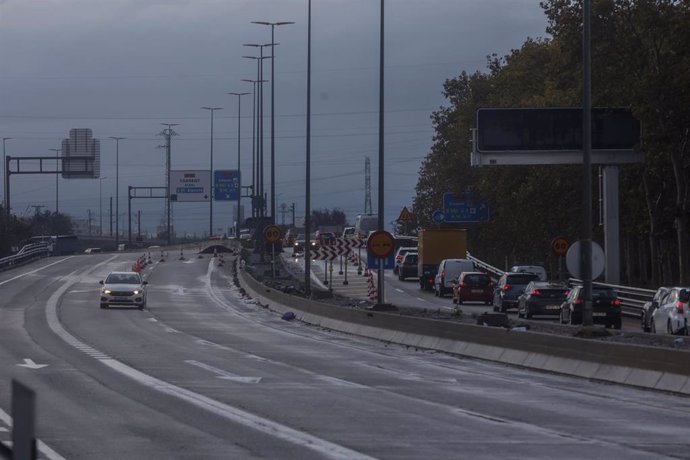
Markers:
81,155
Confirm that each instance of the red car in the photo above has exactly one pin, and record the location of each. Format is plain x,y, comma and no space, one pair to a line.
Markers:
473,287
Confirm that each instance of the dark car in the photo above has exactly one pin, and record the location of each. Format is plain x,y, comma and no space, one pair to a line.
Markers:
509,287
649,307
473,287
541,298
606,308
408,266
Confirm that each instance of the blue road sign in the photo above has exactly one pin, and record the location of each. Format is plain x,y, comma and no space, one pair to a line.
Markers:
226,185
464,209
373,262
438,216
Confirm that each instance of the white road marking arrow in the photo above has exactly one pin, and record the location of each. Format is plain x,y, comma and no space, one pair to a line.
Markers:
225,375
30,364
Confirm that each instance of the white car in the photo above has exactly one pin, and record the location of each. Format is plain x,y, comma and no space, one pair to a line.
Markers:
123,288
448,271
536,269
673,313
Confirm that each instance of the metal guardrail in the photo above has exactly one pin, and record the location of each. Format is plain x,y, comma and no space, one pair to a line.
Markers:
28,253
632,298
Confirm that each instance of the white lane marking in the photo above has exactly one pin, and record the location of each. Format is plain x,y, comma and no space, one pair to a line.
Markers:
30,364
153,320
34,271
234,414
399,290
4,430
221,374
171,330
419,298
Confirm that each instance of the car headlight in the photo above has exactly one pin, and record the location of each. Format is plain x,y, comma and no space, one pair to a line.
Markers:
107,291
137,291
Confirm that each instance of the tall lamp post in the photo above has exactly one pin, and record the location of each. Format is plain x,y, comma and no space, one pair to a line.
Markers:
273,136
4,170
260,117
210,198
307,176
255,149
239,162
57,175
117,190
100,205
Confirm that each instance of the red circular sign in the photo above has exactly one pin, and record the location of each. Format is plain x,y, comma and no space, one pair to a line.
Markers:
272,233
559,246
381,244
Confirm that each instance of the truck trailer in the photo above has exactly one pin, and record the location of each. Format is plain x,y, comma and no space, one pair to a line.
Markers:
434,246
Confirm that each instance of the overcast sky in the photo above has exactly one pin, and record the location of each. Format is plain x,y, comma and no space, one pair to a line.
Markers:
123,67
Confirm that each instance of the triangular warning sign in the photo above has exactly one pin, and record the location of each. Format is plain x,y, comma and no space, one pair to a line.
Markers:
405,215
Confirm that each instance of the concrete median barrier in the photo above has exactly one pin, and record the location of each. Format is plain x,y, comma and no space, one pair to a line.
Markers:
641,366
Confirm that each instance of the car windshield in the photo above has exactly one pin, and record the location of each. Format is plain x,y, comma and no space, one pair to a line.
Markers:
521,279
477,280
602,294
122,278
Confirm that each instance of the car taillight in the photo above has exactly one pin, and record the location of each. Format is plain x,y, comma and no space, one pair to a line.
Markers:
462,285
431,281
398,258
577,302
507,287
535,292
616,303
679,307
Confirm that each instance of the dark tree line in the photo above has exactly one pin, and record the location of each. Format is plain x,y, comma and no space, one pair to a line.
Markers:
16,231
641,60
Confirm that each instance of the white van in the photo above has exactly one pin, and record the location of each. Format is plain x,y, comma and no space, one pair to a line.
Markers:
536,269
448,271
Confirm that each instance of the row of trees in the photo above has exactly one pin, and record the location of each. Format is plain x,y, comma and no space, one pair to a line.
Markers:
641,60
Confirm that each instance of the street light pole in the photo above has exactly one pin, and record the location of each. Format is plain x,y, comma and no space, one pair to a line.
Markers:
100,205
4,170
260,118
239,163
273,136
117,190
256,163
307,176
57,175
210,197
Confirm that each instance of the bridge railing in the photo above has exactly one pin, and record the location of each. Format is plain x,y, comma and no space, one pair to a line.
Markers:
26,254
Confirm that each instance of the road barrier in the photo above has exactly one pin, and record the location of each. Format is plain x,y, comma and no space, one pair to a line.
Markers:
656,368
26,254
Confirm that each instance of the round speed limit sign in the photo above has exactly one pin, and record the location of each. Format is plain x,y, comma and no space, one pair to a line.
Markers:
272,233
559,246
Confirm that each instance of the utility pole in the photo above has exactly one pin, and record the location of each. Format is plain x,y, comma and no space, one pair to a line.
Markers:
57,176
4,166
168,133
293,215
367,186
117,187
111,216
283,211
89,219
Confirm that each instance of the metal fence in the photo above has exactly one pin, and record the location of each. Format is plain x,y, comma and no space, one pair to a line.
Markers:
26,254
632,298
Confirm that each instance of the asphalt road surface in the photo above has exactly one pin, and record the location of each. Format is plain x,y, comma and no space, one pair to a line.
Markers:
204,373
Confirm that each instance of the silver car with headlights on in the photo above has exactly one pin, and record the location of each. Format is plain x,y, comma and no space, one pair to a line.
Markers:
123,288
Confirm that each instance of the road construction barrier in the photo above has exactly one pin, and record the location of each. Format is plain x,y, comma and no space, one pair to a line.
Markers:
372,290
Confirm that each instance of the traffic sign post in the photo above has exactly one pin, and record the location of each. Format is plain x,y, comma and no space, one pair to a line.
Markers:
380,246
272,234
559,247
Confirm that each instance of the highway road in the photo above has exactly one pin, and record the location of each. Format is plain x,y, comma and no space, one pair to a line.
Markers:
203,372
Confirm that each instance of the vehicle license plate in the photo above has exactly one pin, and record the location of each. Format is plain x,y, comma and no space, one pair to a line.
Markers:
553,307
121,299
599,313
477,291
